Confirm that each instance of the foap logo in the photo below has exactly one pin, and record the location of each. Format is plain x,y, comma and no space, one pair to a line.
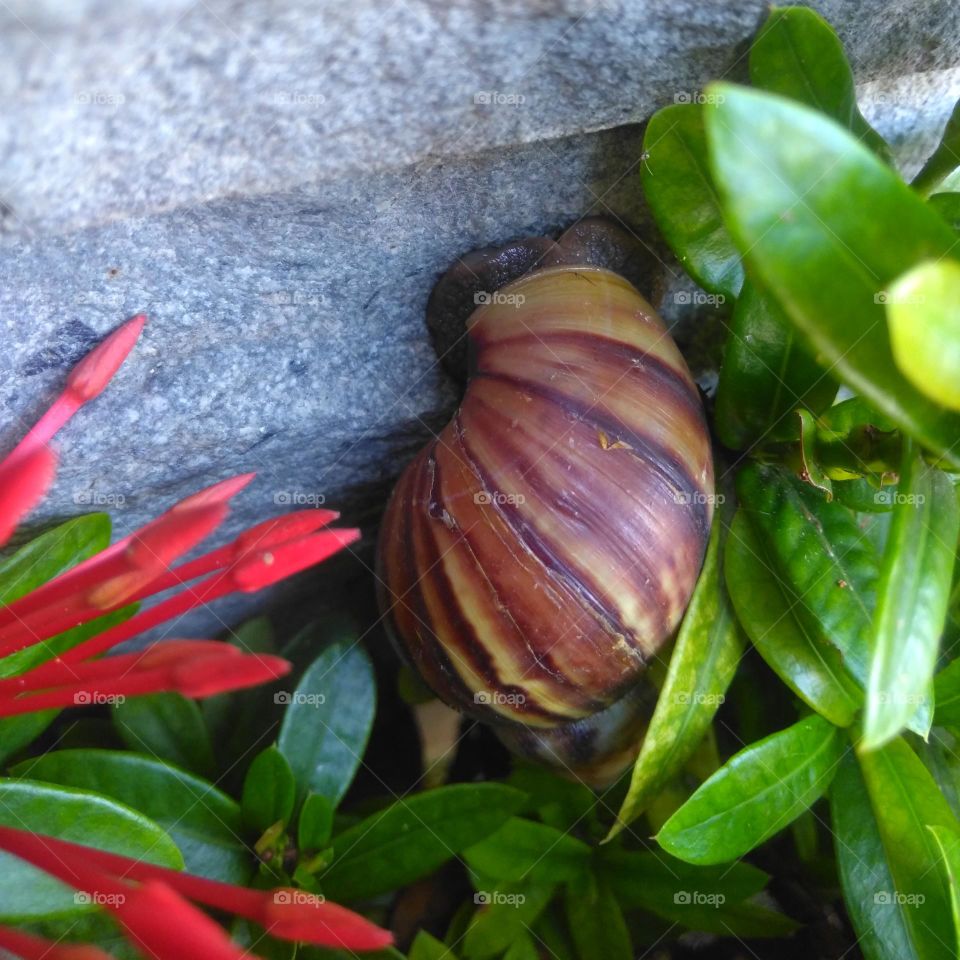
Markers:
685,697
94,698
100,98
696,898
95,898
288,697
893,498
486,498
483,297
698,298
497,698
889,898
684,497
299,498
490,898
98,498
496,98
884,297
698,96
289,896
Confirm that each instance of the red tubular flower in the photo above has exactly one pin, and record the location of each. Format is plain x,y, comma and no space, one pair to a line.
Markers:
284,913
149,901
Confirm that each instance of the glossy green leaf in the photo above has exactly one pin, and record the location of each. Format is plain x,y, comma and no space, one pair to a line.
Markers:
766,373
797,54
940,754
944,160
704,660
504,914
315,823
203,822
269,791
913,593
947,205
414,836
949,842
43,558
51,553
709,899
923,313
523,850
596,922
328,719
823,562
755,794
905,800
19,731
794,649
869,890
77,816
167,726
828,227
680,191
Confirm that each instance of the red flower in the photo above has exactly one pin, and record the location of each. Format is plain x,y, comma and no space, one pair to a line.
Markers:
138,567
151,903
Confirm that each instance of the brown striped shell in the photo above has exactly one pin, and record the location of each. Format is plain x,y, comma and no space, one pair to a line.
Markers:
538,553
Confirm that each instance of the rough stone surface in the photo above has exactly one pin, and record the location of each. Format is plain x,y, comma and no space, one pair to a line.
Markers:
280,185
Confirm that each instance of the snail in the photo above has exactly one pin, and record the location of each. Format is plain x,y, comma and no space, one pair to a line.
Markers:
538,553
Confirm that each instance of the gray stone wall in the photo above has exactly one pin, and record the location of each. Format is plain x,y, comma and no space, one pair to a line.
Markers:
279,184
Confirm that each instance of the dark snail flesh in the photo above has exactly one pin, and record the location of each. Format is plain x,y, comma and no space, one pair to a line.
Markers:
537,555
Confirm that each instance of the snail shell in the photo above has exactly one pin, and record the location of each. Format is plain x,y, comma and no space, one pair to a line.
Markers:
537,554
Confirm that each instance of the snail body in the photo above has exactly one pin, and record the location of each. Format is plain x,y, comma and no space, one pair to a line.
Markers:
537,554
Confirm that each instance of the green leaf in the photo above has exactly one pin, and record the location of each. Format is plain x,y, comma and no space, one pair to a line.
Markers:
414,836
203,822
43,558
949,843
269,791
869,891
913,593
798,55
704,660
596,922
683,200
947,695
947,206
504,915
523,850
755,794
923,312
944,160
51,553
710,899
905,800
19,731
328,719
523,948
941,756
823,561
790,643
80,817
167,726
827,227
315,823
426,947
766,373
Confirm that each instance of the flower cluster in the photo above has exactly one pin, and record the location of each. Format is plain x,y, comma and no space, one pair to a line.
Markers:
151,903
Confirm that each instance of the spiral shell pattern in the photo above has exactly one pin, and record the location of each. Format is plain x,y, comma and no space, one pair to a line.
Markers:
537,553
